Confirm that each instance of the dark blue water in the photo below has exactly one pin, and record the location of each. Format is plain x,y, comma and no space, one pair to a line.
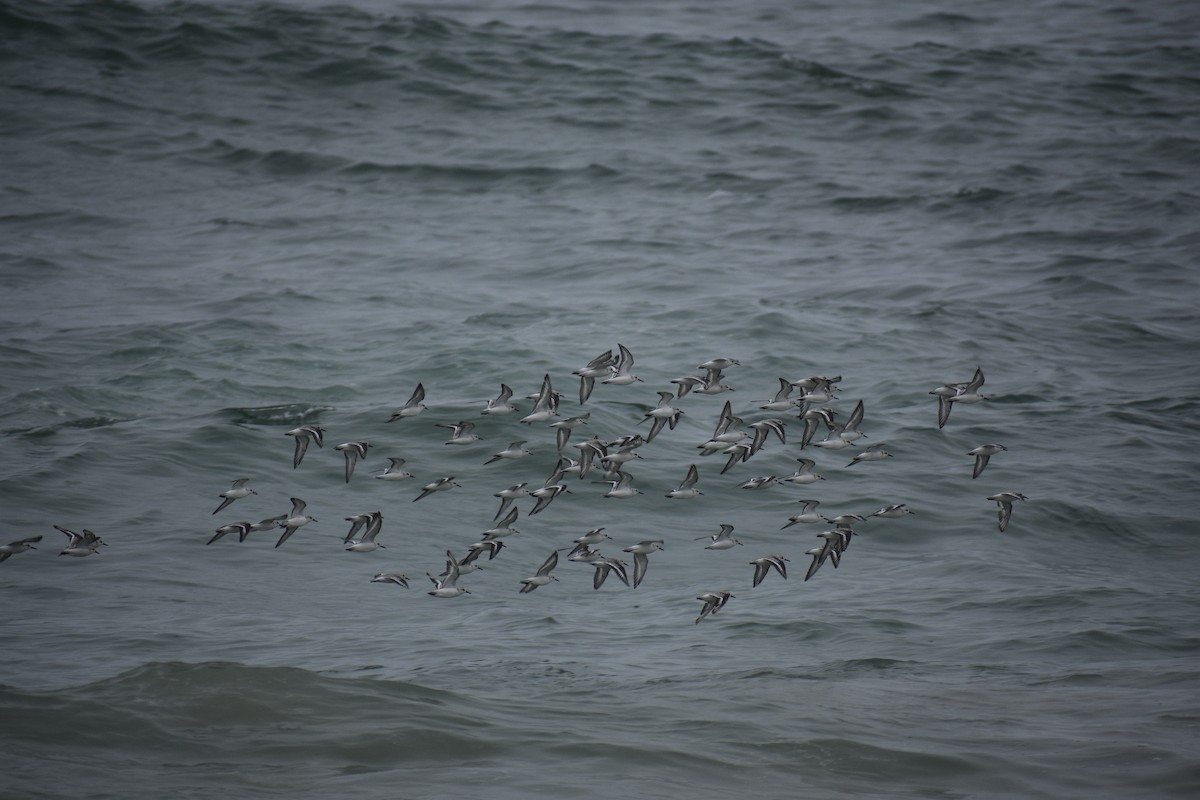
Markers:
222,221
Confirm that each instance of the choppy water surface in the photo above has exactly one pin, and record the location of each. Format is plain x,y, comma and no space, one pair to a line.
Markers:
222,221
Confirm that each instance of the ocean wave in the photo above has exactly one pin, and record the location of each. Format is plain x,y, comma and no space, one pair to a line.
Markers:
226,219
174,706
285,414
826,77
64,218
286,163
82,423
278,162
942,19
483,176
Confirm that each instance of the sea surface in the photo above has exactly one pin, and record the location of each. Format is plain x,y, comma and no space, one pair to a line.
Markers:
220,221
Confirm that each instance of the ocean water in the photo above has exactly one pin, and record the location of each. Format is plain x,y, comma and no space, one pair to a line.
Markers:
219,221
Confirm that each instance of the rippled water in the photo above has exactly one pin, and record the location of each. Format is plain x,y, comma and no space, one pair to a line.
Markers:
221,221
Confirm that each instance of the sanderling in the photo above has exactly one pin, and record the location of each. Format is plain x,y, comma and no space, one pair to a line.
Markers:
366,543
839,540
760,482
873,453
713,602
19,546
630,441
414,406
849,431
545,495
514,450
463,433
685,384
598,367
831,549
545,405
491,547
569,466
687,487
236,492
721,540
812,419
982,454
356,523
719,363
503,527
391,577
507,496
819,555
737,452
817,382
394,471
833,439
353,451
294,520
622,487
268,524
612,461
556,474
944,393
1005,502
500,404
622,371
663,414
891,512
805,474
712,383
582,554
466,564
762,429
764,564
79,544
303,435
604,566
563,428
822,392
967,393
727,427
970,392
542,576
808,514
782,400
594,536
844,521
641,562
447,585
589,451
439,485
240,528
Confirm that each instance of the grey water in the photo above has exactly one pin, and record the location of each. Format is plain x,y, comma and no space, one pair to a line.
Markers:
221,221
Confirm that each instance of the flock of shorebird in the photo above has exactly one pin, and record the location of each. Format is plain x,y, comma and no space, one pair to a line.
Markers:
809,399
